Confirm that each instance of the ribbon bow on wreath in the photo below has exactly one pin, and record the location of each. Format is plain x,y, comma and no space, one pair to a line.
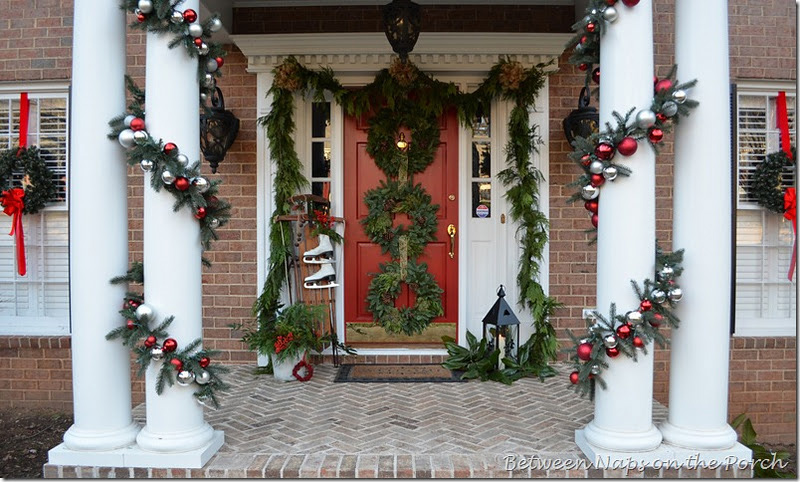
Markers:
790,213
13,204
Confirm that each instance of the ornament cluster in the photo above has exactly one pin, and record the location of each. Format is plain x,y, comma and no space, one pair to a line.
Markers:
628,332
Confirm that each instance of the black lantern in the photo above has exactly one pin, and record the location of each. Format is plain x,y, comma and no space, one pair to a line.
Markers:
501,328
581,122
218,130
401,21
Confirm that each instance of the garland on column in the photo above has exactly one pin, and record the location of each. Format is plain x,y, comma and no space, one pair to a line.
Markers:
628,332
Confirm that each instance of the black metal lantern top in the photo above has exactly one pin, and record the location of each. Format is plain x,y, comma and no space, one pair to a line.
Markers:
583,121
402,20
500,313
218,130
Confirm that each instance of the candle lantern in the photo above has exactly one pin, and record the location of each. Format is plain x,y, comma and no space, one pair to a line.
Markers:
501,328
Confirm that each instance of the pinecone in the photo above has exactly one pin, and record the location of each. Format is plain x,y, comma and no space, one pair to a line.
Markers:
511,75
405,73
387,299
389,205
286,76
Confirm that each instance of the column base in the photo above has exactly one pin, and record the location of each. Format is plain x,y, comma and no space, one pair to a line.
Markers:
720,439
79,439
622,441
174,442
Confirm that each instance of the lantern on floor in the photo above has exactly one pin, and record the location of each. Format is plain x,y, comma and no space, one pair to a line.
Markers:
583,121
218,130
501,328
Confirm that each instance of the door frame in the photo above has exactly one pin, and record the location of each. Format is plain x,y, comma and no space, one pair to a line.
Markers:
463,58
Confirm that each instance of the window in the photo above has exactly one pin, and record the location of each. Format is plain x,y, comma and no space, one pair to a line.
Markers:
321,149
37,303
765,298
481,172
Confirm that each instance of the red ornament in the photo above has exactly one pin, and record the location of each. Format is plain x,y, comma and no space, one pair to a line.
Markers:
597,180
637,342
663,84
630,3
585,351
170,345
595,220
592,206
586,160
130,324
657,319
645,305
170,147
204,362
200,213
574,377
584,39
198,42
655,135
612,352
220,61
212,201
137,124
596,75
604,151
182,184
141,17
190,15
177,364
627,146
662,117
591,27
150,341
133,304
624,331
583,67
611,2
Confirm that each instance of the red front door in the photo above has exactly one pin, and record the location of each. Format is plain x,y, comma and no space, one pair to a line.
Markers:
362,257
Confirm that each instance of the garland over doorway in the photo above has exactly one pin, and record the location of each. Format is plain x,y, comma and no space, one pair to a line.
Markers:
388,96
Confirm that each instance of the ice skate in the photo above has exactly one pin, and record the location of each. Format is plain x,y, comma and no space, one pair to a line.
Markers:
322,254
324,278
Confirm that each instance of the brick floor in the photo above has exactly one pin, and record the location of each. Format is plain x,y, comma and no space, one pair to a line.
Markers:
385,430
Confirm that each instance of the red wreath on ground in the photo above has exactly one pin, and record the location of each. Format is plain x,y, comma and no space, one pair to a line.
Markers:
309,371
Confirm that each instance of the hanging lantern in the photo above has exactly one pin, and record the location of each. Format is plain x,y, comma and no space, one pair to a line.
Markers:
501,328
583,121
401,22
218,130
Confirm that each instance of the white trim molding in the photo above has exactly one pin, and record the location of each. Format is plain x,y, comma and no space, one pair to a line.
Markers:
434,52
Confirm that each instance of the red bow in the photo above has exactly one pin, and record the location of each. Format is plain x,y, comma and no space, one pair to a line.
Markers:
790,213
13,205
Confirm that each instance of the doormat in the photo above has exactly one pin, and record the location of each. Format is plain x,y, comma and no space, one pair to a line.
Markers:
396,373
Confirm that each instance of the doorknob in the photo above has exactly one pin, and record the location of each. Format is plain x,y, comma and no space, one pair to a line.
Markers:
451,230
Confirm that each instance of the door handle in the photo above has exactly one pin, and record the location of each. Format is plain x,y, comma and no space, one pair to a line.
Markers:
451,230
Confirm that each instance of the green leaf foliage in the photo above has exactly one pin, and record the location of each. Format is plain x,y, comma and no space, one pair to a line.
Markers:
766,463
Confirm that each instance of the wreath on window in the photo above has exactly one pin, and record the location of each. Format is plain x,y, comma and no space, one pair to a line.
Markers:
383,132
767,184
385,288
24,168
393,197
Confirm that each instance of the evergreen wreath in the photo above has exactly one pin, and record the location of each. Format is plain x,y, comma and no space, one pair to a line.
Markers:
385,287
34,177
767,186
393,197
382,138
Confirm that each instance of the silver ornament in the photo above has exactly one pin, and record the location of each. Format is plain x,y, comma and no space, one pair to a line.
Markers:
215,24
595,370
208,80
184,378
211,65
157,353
610,341
596,167
145,6
658,296
202,378
610,14
634,317
587,19
203,97
167,177
645,119
182,159
578,48
679,96
140,136
147,165
589,192
196,30
214,223
610,173
128,119
669,108
144,313
666,272
675,295
201,184
593,12
202,49
126,138
176,17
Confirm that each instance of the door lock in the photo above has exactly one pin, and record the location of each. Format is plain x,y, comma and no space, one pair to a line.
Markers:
451,230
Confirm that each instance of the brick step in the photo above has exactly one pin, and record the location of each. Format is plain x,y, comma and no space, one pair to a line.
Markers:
374,359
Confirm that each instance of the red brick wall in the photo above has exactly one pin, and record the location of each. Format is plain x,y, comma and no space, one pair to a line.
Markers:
35,43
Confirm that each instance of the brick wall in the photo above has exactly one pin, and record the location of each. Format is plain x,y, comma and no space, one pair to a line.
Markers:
35,44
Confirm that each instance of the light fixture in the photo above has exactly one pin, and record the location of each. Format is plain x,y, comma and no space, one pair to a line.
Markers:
501,328
218,130
401,23
402,144
583,121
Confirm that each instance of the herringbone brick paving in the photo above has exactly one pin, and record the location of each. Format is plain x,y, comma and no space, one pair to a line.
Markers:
324,429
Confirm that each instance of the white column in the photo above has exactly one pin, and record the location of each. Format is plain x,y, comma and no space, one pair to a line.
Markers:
698,379
172,249
98,218
626,235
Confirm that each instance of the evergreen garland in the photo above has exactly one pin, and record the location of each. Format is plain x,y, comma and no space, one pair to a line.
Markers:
767,185
31,172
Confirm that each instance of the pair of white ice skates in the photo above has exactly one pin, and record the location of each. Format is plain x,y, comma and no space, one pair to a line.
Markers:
325,277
